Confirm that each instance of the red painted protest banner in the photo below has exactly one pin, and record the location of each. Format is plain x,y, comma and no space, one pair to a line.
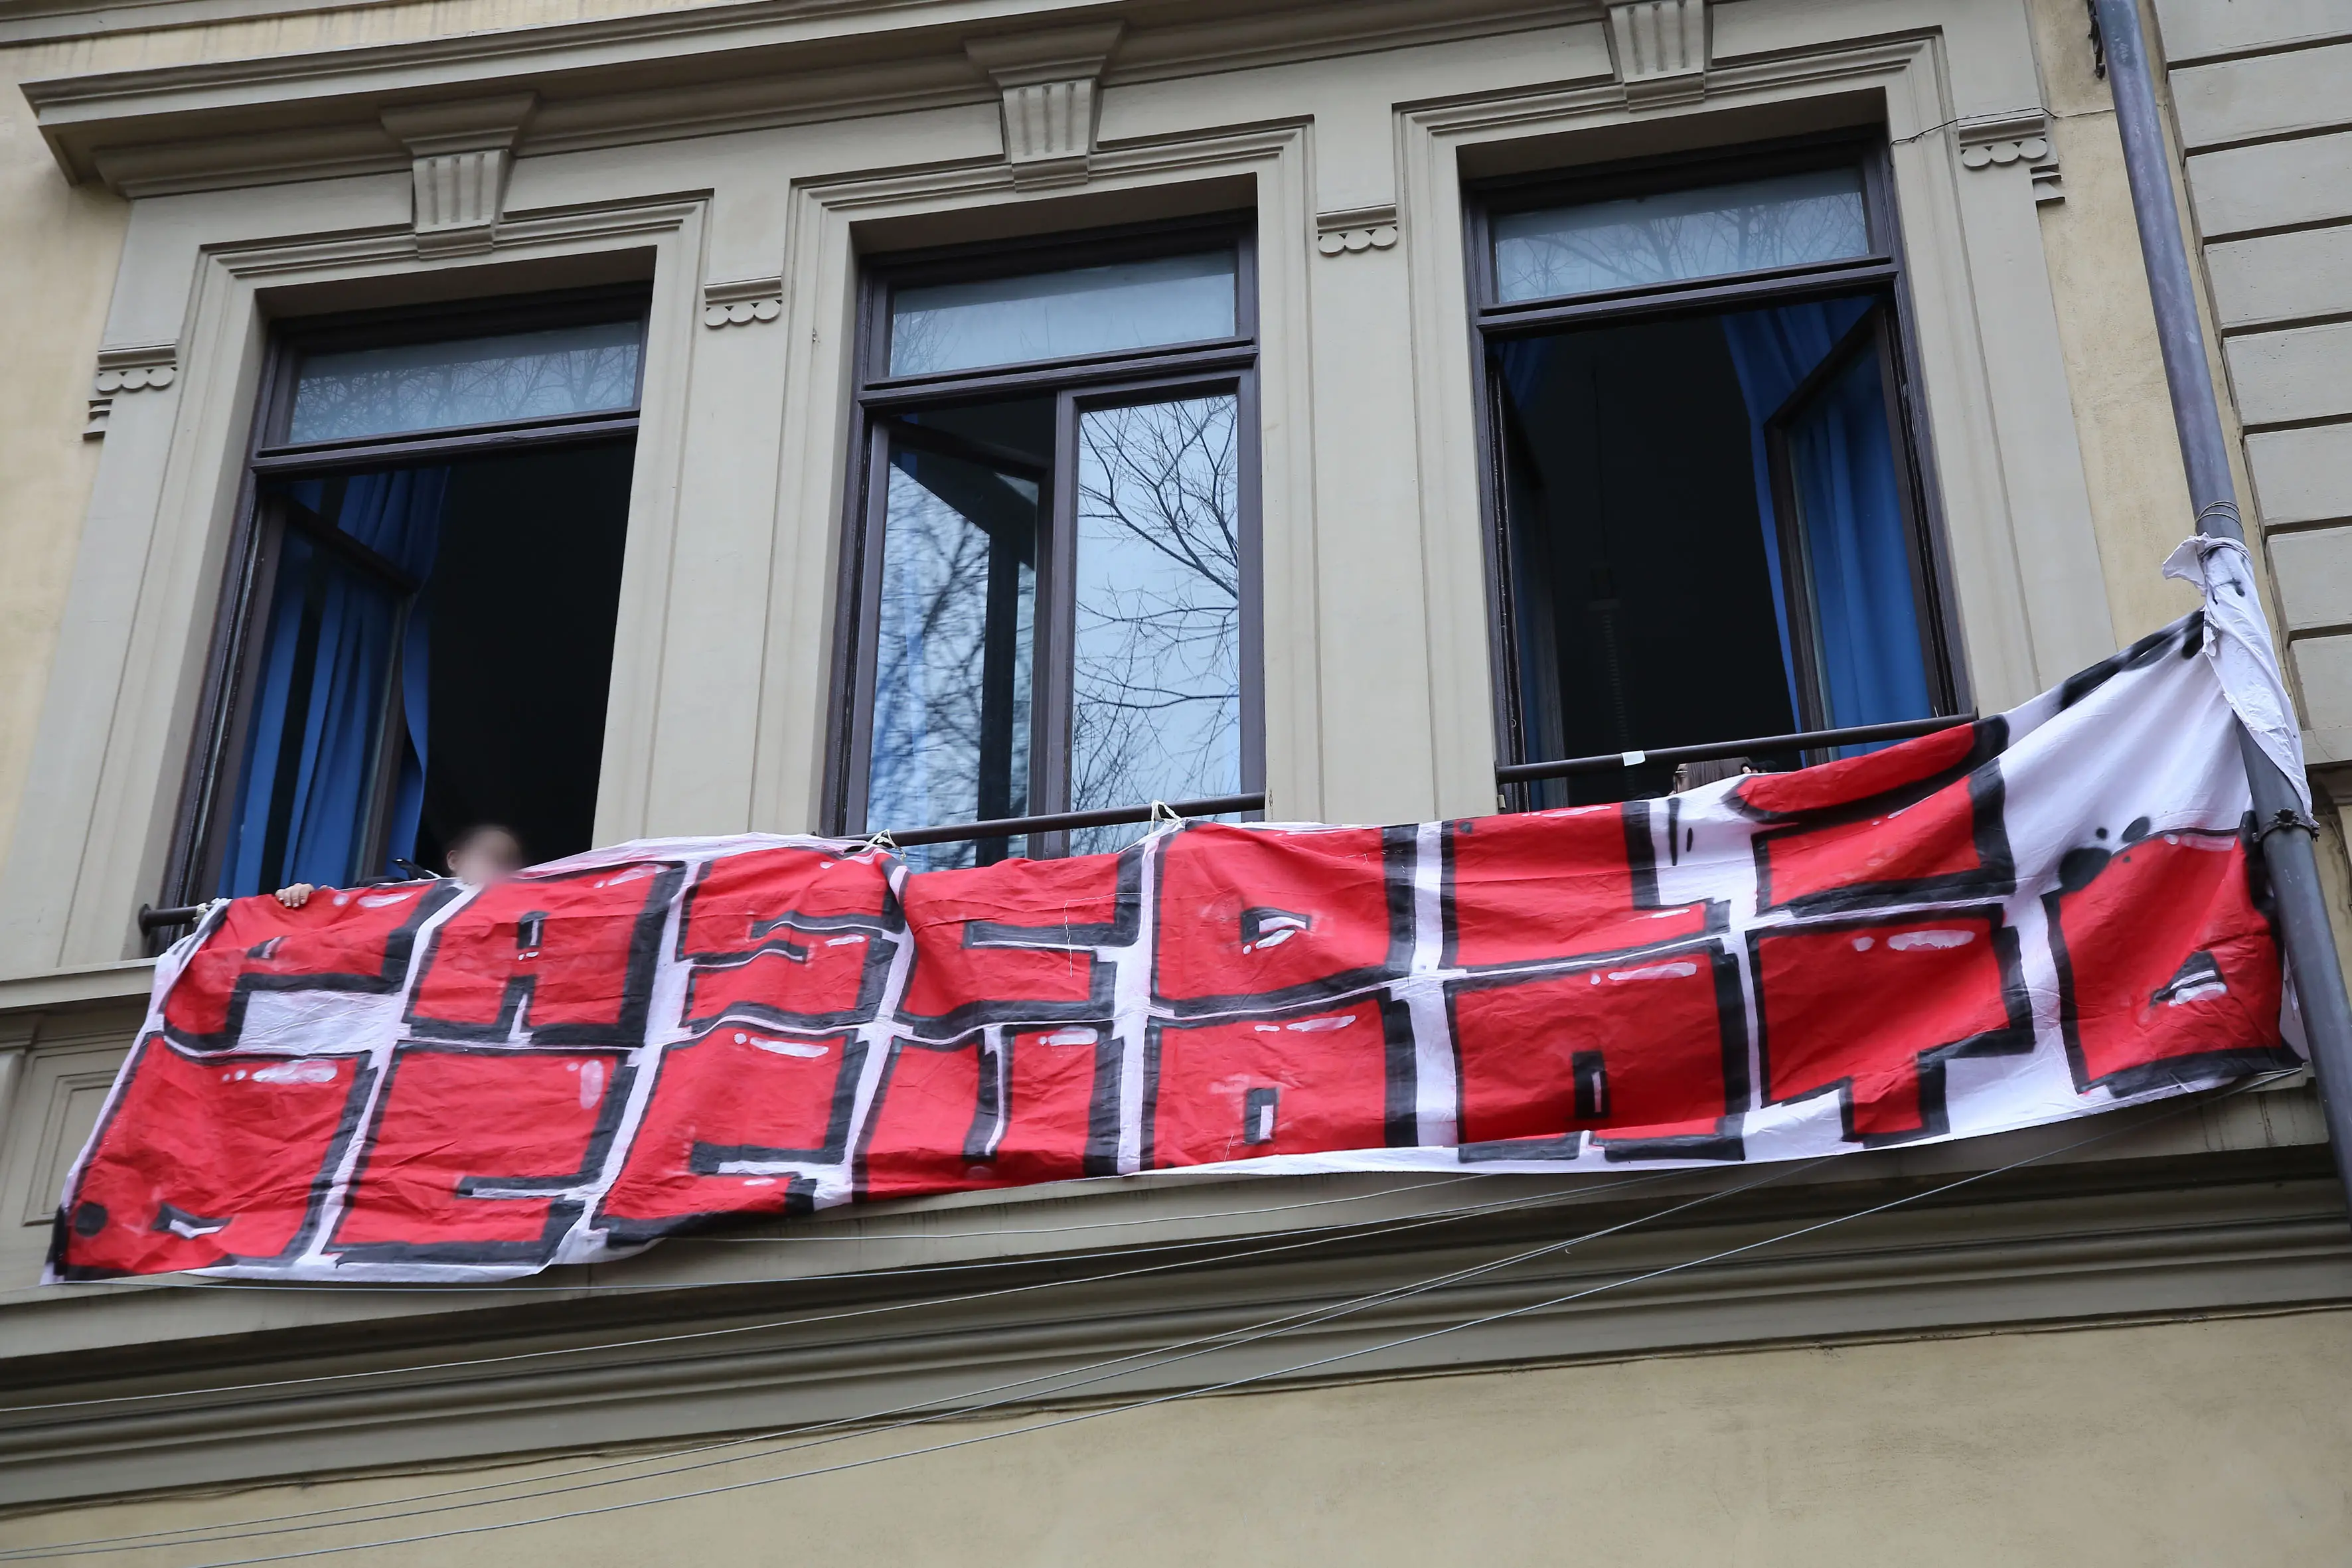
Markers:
2036,916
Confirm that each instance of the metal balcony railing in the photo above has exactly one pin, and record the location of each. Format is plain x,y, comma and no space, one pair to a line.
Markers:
1804,740
152,920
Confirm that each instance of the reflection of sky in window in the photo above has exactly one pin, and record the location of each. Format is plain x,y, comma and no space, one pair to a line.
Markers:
1787,220
930,660
1156,663
408,388
1056,315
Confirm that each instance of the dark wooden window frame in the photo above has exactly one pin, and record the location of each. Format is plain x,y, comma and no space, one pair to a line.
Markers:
1079,384
192,868
1880,273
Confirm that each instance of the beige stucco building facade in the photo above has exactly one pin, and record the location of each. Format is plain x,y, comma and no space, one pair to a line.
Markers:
2136,1350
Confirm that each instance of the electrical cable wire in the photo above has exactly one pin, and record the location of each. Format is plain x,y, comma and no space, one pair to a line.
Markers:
1099,1223
358,1288
364,1288
1291,1371
1409,1222
1201,1391
860,1425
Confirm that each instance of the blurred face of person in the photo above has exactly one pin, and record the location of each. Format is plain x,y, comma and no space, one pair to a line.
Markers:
485,855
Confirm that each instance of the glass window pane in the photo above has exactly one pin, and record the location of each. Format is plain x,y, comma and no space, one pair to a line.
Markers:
1056,315
1783,221
408,388
1156,689
952,659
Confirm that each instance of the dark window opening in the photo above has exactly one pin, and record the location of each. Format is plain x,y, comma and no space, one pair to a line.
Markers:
1056,593
1709,520
419,635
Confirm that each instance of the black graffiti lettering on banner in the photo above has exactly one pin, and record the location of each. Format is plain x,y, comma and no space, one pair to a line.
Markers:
2167,948
768,937
1931,809
731,1117
561,959
1538,889
971,971
1330,916
1304,1080
437,1181
1003,1106
356,941
2188,634
1642,1056
1873,1009
244,1182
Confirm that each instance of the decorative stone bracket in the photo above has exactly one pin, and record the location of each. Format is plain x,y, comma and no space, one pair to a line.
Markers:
1051,82
1356,228
1659,48
149,365
461,153
743,300
1996,143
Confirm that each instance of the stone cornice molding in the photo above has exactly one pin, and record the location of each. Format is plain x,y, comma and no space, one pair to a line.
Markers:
2250,1234
689,71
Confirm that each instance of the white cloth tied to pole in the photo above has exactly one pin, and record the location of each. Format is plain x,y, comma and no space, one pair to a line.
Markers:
2238,643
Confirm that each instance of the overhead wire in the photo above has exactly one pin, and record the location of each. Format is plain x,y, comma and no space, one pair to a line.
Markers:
640,1341
860,1425
234,1533
1292,1371
459,1287
1101,1224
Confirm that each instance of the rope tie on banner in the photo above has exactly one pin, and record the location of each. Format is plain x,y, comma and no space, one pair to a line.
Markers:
884,842
1163,817
2281,820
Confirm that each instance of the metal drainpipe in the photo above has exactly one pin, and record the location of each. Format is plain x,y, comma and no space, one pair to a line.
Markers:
2287,849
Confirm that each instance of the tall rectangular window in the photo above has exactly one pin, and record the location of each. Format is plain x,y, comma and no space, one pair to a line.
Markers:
1710,518
417,630
1053,600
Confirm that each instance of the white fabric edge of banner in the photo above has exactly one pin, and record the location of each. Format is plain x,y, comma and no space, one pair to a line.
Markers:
2238,646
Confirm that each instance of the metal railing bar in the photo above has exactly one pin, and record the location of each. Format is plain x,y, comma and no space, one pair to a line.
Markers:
1060,821
151,919
1804,740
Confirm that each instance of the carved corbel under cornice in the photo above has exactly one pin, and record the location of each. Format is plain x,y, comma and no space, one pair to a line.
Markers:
1051,82
742,300
1995,142
1347,229
136,369
1660,50
461,156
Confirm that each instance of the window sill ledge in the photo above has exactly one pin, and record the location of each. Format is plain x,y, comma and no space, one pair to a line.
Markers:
125,980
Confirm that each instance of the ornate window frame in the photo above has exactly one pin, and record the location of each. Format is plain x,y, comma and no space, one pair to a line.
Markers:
2008,476
125,690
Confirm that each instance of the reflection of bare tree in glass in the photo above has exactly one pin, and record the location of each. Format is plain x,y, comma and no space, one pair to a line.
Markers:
415,389
919,340
932,707
1626,244
1156,664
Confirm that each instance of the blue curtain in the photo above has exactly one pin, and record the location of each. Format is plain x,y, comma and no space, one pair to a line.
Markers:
1842,470
335,637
